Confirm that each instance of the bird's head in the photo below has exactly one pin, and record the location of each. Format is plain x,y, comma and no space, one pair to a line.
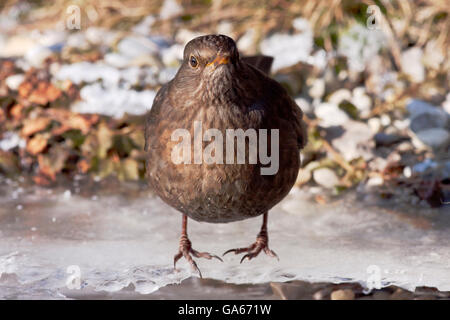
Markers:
207,53
208,61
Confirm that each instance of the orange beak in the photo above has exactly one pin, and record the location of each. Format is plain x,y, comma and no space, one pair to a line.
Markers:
218,60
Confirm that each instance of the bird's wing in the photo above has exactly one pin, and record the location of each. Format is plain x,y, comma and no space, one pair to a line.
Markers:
299,124
154,113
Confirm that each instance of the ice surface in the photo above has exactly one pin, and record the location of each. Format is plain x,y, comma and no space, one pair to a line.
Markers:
117,242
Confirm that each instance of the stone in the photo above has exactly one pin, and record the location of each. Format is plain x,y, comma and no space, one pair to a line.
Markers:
13,82
317,89
426,116
355,142
361,101
339,96
330,115
325,177
435,137
343,294
411,64
384,139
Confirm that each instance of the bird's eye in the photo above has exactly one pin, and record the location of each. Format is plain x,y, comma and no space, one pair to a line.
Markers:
193,62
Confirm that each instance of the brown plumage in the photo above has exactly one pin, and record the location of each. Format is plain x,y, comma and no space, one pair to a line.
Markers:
216,87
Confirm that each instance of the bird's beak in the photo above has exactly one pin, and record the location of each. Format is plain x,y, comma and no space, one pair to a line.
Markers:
218,60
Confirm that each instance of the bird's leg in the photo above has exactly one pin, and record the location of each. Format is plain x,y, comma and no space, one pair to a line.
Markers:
186,249
261,243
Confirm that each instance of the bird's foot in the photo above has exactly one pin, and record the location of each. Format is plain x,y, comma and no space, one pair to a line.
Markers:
261,244
186,251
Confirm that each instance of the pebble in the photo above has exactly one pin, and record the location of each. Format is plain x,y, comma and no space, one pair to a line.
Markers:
343,294
355,142
426,116
325,177
13,82
435,137
317,89
384,139
339,96
330,115
361,101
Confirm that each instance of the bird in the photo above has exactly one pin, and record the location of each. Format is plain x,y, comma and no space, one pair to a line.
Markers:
217,88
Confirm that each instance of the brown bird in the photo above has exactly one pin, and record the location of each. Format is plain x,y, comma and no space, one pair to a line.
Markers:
217,89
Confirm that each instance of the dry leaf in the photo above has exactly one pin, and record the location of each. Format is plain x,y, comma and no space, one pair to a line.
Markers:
37,144
32,126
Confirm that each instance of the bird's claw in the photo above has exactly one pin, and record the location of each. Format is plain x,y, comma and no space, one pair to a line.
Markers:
186,251
254,250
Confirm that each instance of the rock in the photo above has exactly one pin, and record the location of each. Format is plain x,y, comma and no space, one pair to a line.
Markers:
343,294
170,9
435,138
330,115
375,181
317,89
384,139
361,101
426,116
10,140
411,63
37,55
325,177
13,82
339,96
424,166
355,142
446,170
374,124
303,104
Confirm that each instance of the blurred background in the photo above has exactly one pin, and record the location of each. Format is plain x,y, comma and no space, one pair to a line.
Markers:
372,76
77,77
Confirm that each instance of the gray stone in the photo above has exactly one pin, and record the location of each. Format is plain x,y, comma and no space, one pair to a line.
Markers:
435,138
384,139
426,116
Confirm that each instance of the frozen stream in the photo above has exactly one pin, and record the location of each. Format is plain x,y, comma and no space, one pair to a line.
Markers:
118,242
